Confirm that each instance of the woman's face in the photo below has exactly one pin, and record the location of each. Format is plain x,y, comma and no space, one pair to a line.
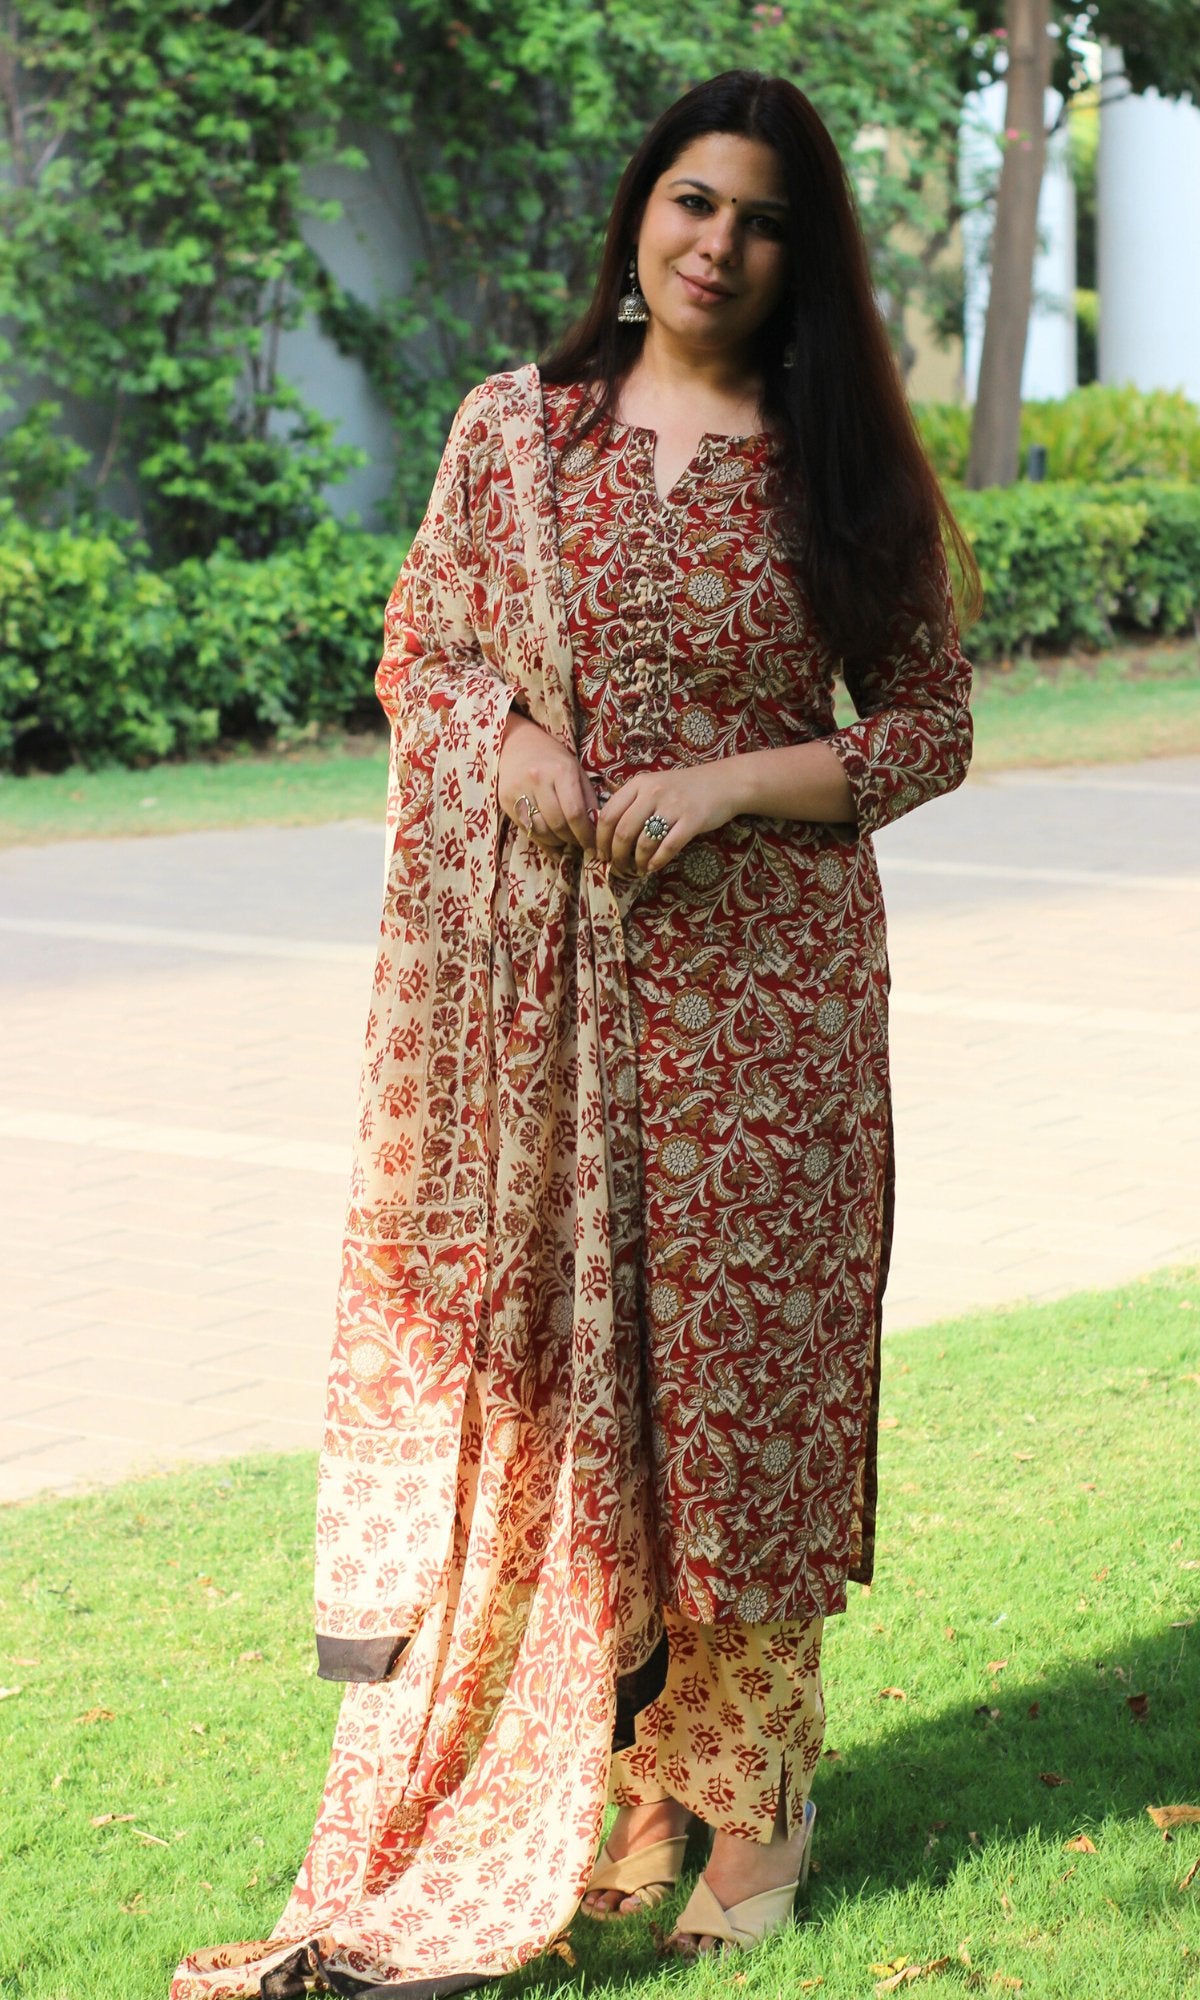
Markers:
712,248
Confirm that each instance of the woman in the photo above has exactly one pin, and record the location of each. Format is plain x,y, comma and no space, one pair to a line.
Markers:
599,1455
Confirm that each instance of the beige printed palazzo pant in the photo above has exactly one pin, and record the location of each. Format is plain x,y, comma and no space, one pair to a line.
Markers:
740,1717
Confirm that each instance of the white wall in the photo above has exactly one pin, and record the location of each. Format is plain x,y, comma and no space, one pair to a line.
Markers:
1148,250
371,250
1050,364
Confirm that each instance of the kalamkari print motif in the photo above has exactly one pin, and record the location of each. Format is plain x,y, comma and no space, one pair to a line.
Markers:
742,1713
486,1491
758,983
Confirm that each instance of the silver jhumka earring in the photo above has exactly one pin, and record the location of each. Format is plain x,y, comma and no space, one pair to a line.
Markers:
788,357
632,309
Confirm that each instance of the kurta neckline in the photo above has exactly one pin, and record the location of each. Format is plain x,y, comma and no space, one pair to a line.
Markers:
706,437
710,444
712,447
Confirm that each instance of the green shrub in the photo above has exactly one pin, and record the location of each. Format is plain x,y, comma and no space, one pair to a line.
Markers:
1066,564
152,200
107,661
91,643
946,435
291,639
1103,434
1162,589
38,465
1054,560
1096,434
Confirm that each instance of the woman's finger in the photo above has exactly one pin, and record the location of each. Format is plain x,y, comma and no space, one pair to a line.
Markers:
611,813
548,835
650,846
653,855
526,813
551,825
576,803
626,835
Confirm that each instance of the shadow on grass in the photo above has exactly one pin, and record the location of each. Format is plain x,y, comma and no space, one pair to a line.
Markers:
985,1768
1042,1761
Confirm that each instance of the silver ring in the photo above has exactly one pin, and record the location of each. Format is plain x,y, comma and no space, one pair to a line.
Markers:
656,827
532,810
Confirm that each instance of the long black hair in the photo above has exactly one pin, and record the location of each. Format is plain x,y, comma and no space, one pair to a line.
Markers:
852,468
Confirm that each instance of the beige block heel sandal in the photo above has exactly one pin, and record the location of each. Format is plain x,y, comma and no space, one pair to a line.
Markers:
744,1924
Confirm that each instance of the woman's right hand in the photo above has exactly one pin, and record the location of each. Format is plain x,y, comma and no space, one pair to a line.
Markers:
539,773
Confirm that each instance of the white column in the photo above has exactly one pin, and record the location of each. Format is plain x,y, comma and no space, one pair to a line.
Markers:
1148,247
1050,367
370,248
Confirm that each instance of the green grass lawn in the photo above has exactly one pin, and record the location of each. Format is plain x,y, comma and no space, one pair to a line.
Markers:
1112,709
1037,1606
345,778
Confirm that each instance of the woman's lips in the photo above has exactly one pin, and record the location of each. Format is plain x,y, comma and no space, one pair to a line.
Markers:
702,295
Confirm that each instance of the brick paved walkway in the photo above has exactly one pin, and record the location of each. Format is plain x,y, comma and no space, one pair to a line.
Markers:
181,1027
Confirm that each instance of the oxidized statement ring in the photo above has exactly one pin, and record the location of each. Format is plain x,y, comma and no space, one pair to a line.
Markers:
532,809
656,827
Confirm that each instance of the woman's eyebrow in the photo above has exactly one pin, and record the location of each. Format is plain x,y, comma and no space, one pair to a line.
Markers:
748,201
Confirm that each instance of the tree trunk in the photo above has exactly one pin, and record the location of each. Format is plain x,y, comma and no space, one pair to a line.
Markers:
995,427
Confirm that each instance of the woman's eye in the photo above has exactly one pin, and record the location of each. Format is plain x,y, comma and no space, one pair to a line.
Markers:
762,225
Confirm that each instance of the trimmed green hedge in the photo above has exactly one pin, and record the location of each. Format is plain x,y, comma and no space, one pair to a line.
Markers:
103,660
88,642
1098,434
1066,564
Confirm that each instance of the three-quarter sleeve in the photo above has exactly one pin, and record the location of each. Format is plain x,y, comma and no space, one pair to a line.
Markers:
913,736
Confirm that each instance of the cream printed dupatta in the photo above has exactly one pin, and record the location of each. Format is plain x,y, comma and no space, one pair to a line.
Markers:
482,1486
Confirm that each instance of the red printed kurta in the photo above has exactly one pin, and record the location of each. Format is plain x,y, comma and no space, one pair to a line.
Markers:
758,983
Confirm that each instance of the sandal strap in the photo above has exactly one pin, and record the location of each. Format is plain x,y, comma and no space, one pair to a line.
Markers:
742,1924
656,1865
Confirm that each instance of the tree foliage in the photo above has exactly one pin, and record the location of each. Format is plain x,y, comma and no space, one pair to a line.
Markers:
1159,40
153,156
513,118
153,198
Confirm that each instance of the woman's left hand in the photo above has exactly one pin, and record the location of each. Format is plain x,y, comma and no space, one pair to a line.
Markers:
692,799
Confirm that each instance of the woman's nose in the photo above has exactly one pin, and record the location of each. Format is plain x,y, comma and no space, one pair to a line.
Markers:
720,240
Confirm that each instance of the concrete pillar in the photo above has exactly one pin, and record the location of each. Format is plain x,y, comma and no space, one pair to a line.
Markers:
1050,365
370,249
1148,248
